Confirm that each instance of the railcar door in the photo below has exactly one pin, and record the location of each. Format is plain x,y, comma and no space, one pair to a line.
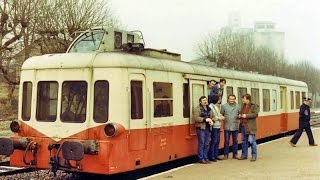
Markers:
138,116
197,89
283,109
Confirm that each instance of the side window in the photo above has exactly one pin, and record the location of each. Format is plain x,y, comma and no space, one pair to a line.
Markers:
282,98
230,91
186,100
47,101
274,100
74,101
255,96
298,98
101,101
136,99
303,94
266,100
292,99
162,94
26,100
241,91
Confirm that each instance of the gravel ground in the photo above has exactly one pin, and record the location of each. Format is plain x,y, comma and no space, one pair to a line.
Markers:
41,175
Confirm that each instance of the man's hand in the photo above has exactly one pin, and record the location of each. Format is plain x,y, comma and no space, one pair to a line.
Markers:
221,118
209,121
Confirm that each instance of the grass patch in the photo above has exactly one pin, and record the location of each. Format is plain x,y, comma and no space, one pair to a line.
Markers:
5,129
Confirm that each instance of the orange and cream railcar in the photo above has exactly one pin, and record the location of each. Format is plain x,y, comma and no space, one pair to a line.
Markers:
100,109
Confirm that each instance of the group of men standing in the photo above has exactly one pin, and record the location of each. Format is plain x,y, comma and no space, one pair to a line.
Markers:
237,118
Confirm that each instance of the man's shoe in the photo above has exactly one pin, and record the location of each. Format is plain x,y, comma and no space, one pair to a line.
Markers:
218,158
207,161
224,158
313,144
235,157
202,162
213,160
253,159
293,145
242,158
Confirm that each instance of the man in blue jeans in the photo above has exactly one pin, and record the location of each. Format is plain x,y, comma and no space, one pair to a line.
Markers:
215,133
230,111
203,116
248,127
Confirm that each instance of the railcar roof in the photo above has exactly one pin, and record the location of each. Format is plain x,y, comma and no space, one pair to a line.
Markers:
121,59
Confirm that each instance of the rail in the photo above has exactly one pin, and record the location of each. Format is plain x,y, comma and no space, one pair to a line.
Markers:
8,170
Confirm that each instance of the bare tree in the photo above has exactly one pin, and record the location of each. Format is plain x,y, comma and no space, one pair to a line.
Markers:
34,27
61,19
238,51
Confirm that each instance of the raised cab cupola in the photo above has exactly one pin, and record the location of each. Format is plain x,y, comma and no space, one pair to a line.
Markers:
111,40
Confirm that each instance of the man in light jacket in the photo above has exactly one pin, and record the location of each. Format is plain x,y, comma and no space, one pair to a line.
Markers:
230,111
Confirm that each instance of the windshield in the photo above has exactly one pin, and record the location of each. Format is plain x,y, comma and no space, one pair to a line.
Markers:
89,41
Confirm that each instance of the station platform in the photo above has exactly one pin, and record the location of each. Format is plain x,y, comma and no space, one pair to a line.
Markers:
277,159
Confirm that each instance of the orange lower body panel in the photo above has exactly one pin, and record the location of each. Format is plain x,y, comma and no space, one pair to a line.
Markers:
136,149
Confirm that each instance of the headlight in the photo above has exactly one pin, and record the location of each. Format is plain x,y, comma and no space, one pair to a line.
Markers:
113,129
15,126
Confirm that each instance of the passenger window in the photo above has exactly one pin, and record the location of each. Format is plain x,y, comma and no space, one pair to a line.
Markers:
274,100
282,98
186,101
26,100
47,101
136,100
292,99
266,100
298,103
74,101
162,99
255,98
241,91
303,94
101,101
229,91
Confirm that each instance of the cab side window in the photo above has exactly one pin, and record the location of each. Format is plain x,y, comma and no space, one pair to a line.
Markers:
162,94
26,100
101,101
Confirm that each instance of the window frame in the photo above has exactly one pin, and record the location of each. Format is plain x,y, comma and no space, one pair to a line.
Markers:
268,100
107,103
169,99
240,95
186,100
297,95
292,104
228,89
254,89
140,116
25,100
37,103
86,102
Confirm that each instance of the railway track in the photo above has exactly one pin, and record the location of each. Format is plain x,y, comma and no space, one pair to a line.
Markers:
8,170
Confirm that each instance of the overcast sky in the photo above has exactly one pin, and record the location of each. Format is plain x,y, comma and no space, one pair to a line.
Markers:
178,25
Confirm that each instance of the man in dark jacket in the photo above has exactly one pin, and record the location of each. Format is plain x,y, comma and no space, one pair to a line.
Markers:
248,126
203,116
304,123
217,90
